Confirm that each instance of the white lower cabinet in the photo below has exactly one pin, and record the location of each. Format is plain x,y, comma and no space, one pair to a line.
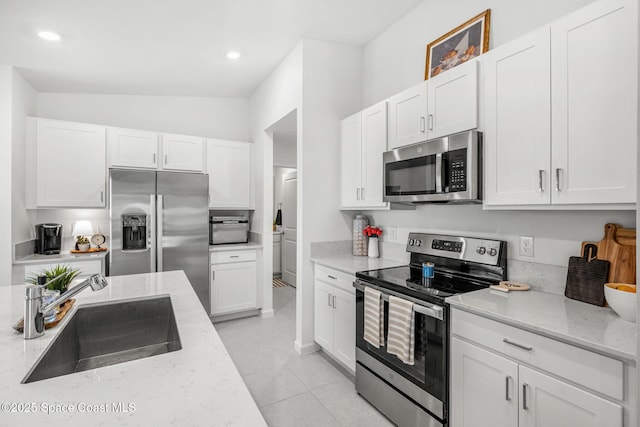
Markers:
233,282
335,315
510,377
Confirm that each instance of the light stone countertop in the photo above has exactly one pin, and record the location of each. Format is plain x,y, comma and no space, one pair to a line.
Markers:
234,247
349,264
63,256
196,385
585,325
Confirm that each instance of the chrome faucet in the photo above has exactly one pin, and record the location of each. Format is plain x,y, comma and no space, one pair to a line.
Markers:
34,311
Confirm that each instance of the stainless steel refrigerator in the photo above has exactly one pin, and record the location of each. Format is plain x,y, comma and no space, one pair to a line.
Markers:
160,222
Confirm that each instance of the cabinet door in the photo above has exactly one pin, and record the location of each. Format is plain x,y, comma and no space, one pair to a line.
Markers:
71,164
452,100
407,117
323,315
484,387
547,402
351,161
229,169
133,148
374,143
344,328
594,76
182,153
517,128
233,287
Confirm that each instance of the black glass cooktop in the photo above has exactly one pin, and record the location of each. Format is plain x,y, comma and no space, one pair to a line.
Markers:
408,280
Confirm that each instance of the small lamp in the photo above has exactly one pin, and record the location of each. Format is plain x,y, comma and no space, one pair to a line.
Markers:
82,228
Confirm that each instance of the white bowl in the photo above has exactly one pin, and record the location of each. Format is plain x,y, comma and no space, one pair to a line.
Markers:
622,302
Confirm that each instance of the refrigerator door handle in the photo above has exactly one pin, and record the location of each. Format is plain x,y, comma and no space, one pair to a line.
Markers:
159,226
151,232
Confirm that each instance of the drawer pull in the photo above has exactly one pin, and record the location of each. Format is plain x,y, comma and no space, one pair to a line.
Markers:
515,344
234,256
524,397
332,277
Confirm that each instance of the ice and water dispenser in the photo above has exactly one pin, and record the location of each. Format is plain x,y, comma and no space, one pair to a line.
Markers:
134,232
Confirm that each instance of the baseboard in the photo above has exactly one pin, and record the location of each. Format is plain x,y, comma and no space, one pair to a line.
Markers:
265,314
233,316
308,348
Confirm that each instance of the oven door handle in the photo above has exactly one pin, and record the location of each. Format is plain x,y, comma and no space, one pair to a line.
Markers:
430,310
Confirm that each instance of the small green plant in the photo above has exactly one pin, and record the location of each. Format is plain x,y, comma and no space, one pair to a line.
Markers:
62,284
82,240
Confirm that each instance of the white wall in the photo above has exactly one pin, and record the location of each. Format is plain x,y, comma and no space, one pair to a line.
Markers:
225,118
278,95
5,173
24,104
284,151
331,89
395,60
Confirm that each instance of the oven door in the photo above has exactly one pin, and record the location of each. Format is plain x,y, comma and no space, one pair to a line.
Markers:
429,372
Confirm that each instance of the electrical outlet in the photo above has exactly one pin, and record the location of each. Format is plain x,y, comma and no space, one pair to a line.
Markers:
526,246
390,233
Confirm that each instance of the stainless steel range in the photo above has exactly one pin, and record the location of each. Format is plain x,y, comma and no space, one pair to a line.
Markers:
418,394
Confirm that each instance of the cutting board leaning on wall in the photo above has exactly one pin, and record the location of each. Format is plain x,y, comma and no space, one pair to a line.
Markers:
618,246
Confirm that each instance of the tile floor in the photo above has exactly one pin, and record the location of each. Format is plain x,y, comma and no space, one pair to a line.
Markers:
292,390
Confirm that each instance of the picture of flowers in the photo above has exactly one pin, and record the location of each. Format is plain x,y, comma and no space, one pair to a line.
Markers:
458,45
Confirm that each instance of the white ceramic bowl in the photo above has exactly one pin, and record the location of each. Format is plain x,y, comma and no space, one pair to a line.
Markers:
622,302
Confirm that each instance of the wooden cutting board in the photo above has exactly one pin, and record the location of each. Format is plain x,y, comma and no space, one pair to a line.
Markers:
618,246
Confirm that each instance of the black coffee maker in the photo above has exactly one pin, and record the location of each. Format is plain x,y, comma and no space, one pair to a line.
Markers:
48,239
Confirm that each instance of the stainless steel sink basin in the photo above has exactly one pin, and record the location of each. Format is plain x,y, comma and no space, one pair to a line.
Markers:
105,334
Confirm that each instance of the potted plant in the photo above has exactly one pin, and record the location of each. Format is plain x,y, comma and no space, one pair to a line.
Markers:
82,243
62,284
373,233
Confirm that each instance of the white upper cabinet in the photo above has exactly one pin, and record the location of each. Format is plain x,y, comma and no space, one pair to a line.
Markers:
363,140
594,99
70,164
132,148
441,106
182,153
452,101
517,125
229,169
408,117
351,160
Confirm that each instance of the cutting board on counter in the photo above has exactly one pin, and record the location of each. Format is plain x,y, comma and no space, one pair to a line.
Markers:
618,246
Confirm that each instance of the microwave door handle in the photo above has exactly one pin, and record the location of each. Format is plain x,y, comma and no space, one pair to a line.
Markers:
438,173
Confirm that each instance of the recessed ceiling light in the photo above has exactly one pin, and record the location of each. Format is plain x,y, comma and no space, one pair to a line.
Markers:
49,36
233,55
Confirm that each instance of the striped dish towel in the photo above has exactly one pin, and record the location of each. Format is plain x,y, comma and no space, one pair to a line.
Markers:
401,337
373,318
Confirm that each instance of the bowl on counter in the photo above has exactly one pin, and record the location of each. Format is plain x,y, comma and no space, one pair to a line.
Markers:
622,299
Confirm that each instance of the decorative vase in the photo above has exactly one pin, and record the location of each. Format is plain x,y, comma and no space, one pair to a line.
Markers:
359,239
83,247
374,251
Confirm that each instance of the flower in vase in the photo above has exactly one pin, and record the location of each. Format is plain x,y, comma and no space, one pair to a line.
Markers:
371,231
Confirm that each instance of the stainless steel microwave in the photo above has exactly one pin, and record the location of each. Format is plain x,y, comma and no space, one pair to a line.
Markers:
440,170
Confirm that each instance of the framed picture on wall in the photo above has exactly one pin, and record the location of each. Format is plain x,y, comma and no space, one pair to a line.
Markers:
458,45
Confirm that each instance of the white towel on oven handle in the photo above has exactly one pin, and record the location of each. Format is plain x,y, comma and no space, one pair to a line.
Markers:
373,317
401,337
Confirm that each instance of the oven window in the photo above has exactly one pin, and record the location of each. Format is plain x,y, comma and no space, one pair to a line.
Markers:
411,177
429,369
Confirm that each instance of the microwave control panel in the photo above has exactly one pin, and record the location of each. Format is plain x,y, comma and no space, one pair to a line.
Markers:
457,161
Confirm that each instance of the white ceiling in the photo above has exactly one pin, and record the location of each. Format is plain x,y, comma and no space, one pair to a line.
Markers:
175,47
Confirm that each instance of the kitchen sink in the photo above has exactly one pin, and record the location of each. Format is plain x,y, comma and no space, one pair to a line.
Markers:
106,334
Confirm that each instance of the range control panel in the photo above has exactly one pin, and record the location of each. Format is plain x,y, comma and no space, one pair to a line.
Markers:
485,251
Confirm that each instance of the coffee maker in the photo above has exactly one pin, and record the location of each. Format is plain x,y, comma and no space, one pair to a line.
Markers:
48,239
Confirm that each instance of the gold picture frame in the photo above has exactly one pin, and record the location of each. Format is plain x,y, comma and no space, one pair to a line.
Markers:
458,45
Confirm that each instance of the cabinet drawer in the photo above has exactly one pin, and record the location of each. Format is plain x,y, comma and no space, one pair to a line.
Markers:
233,256
583,367
335,278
